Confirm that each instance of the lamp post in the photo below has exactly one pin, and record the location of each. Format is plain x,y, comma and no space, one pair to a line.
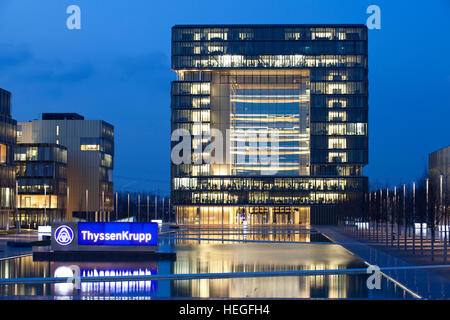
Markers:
45,204
380,217
426,215
148,206
87,201
445,217
370,214
117,207
103,206
163,213
156,207
17,208
139,207
387,217
68,202
414,217
397,216
128,210
404,214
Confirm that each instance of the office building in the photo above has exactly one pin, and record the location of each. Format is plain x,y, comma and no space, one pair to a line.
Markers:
41,173
7,169
298,93
90,153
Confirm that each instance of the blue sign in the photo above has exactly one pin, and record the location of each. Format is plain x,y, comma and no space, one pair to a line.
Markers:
118,233
64,235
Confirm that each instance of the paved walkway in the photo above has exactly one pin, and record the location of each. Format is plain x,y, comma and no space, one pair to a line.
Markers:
425,283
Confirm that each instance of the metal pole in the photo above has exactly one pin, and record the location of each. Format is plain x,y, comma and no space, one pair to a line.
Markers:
370,214
376,216
397,216
128,206
17,207
87,201
68,202
445,217
156,207
381,214
386,229
45,204
117,206
432,228
103,206
148,206
163,212
404,214
139,207
426,215
414,217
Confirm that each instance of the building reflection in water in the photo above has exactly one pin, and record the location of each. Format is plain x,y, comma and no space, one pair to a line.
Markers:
268,257
194,236
23,267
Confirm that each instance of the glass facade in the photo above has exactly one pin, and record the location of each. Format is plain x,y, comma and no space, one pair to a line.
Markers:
291,103
7,170
41,172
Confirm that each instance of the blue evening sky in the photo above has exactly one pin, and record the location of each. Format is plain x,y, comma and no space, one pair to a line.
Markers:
117,68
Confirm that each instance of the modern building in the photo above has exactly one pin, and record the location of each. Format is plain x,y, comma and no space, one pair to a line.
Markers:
439,173
41,173
90,153
7,169
294,94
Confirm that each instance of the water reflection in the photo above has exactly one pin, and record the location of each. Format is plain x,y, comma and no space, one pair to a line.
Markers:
212,257
218,235
269,257
122,288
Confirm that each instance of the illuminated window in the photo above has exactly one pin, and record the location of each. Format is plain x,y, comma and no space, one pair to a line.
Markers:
337,143
19,134
336,129
200,88
90,144
337,103
337,116
3,153
57,130
38,201
337,157
32,153
90,147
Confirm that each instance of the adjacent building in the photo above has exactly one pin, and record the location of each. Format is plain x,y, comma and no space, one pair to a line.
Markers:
298,93
89,145
439,173
7,169
41,173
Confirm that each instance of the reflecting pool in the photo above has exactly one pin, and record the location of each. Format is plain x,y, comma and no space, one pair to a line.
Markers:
203,250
